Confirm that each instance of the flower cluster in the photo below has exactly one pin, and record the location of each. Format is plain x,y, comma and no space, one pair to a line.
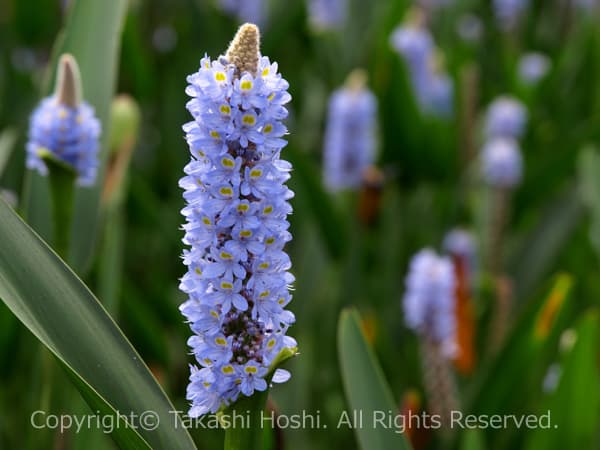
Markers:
470,28
429,299
349,147
459,242
508,12
432,86
236,207
326,14
533,67
502,163
505,117
245,10
66,127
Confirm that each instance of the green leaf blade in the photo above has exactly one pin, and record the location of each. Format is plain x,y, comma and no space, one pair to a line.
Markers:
365,386
64,315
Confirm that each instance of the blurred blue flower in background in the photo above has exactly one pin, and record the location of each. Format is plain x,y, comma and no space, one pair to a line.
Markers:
460,242
470,28
429,299
533,67
433,88
65,126
505,117
327,14
246,10
237,204
502,163
349,146
508,12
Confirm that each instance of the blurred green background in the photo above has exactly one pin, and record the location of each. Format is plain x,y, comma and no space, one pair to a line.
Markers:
431,185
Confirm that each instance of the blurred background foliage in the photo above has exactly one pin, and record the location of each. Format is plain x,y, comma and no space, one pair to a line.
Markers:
340,258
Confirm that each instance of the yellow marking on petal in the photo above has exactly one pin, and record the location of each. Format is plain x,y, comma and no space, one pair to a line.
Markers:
271,343
246,85
255,173
268,128
271,97
243,207
281,301
227,370
238,381
226,285
206,221
206,384
215,134
248,119
214,313
226,191
227,162
225,255
221,341
250,369
268,209
245,233
265,72
220,76
198,271
264,265
201,154
207,361
62,113
225,109
264,294
269,240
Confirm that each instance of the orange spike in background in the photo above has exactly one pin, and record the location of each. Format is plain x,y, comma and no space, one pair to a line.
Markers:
464,360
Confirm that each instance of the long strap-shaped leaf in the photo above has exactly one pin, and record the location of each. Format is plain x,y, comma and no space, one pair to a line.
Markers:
65,316
367,391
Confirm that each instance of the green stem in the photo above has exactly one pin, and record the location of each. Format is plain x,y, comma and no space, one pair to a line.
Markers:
245,434
61,177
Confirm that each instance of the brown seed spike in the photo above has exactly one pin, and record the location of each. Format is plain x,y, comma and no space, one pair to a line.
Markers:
243,52
68,82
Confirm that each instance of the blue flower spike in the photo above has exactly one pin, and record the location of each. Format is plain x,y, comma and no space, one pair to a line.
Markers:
349,142
64,128
238,278
63,145
429,311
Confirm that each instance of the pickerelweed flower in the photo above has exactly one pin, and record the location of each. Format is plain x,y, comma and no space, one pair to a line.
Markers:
245,10
502,163
327,14
470,28
508,12
349,147
65,126
236,207
533,67
429,299
586,5
460,243
430,310
432,87
505,117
